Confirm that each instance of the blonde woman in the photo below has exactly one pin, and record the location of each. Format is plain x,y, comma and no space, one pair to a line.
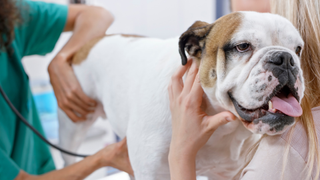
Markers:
293,155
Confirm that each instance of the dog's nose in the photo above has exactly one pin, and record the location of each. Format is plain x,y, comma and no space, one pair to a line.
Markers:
283,59
283,67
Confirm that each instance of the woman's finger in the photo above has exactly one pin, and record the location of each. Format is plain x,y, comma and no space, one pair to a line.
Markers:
196,91
176,80
76,100
170,91
75,107
85,99
190,79
71,114
213,122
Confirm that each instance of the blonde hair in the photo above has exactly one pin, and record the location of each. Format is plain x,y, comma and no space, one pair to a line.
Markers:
305,16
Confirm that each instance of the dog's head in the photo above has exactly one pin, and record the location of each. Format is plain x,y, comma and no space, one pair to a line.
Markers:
249,63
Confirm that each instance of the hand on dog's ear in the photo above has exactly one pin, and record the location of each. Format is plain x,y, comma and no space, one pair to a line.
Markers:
193,40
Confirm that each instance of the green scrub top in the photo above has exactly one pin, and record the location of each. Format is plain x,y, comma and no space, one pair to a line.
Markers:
20,148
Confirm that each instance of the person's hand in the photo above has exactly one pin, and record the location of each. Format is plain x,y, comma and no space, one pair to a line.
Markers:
191,126
116,155
71,99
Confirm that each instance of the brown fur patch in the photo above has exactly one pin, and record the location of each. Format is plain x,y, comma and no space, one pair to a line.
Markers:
198,24
84,51
213,57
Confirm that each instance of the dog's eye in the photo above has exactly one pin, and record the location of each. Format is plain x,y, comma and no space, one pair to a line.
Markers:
298,51
243,47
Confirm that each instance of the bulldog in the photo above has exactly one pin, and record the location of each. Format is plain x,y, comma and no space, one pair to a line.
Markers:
249,64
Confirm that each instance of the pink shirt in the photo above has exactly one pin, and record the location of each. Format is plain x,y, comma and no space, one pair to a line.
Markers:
268,160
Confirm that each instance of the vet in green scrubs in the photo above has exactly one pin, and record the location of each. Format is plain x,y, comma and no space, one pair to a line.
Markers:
37,34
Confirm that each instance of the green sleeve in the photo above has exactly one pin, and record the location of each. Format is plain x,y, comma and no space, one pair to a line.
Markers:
8,168
41,26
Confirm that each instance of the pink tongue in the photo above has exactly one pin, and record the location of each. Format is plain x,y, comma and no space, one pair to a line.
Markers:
289,106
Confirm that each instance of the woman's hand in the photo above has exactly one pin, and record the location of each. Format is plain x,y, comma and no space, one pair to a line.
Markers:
191,126
71,99
116,155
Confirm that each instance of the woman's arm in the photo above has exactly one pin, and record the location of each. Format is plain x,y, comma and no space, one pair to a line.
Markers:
191,127
115,155
86,22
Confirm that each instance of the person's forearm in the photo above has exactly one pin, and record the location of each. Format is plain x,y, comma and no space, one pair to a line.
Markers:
114,155
89,24
182,167
77,171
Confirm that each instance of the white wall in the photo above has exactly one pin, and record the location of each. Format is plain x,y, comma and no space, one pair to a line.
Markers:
157,18
153,18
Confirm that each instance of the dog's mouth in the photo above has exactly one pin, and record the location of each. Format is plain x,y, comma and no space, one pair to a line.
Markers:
282,103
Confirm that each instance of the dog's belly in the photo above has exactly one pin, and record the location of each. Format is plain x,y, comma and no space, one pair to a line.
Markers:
130,76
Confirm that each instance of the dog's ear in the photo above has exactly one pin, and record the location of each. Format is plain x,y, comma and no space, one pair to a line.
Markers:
193,40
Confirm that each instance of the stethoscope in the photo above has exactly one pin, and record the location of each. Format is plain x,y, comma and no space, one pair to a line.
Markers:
33,129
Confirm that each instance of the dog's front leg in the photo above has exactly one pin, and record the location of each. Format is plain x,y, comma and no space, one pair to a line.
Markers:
148,150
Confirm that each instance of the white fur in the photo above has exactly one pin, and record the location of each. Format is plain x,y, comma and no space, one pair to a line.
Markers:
267,33
130,77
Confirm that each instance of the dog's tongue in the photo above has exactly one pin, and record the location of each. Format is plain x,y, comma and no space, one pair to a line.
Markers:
287,105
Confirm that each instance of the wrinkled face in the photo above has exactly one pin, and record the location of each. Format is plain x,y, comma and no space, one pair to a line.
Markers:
250,65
